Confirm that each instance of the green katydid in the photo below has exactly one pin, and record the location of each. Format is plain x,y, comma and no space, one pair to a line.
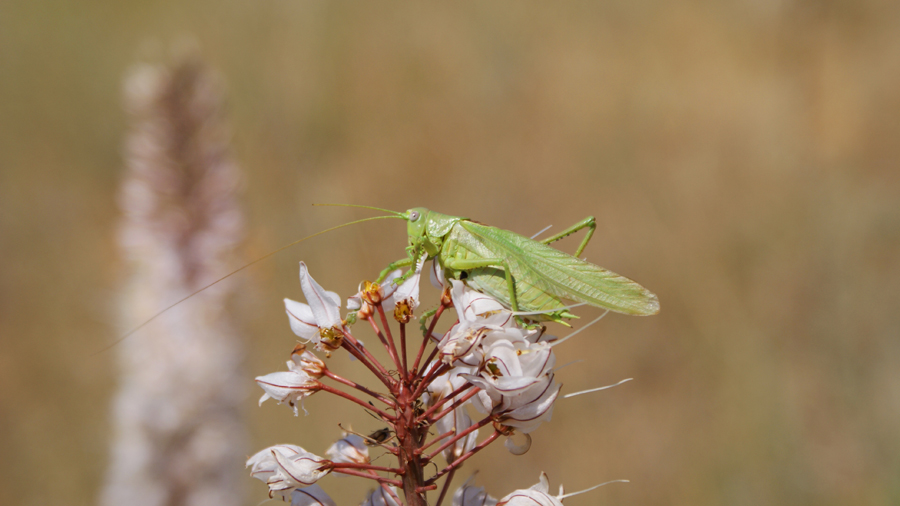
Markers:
525,275
522,273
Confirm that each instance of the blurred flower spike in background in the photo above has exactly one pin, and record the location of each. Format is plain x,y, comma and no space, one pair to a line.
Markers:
488,359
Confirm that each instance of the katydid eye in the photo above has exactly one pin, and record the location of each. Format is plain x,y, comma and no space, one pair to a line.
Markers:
413,215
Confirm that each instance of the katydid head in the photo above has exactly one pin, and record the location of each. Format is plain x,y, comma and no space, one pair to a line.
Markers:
426,230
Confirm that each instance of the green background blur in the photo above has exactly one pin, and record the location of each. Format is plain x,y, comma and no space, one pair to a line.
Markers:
741,158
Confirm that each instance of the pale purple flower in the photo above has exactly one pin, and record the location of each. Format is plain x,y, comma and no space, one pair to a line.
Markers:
379,497
320,319
312,495
468,495
457,422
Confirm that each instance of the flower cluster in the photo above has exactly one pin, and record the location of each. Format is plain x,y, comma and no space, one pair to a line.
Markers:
489,359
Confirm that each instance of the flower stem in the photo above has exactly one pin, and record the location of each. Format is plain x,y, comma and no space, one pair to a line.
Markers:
445,400
345,395
455,438
379,479
445,488
362,354
391,348
359,387
427,337
456,463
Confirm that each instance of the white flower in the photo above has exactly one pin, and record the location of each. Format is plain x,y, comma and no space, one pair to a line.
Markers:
457,422
379,497
468,495
446,383
295,384
350,449
405,299
478,316
312,495
287,467
472,305
517,383
537,495
320,320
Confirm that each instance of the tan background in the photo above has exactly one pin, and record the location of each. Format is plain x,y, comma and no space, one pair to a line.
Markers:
741,158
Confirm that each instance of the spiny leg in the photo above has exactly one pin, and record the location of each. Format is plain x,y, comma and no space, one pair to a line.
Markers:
469,264
590,223
423,320
393,266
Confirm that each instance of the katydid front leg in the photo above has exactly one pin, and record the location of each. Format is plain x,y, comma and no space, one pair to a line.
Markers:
393,266
590,223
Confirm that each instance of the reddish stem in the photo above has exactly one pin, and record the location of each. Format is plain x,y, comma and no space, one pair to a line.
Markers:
445,488
435,351
359,387
391,348
456,463
434,373
405,371
427,337
366,358
388,489
364,467
345,395
446,399
455,438
377,478
456,404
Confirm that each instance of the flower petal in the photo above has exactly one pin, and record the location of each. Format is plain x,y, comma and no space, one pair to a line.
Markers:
326,306
300,315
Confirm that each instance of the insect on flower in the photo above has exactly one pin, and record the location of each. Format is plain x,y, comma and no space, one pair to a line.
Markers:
525,275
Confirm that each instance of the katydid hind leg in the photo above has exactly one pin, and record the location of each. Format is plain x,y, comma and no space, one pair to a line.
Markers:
590,223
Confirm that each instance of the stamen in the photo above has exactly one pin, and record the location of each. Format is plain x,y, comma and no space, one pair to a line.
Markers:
561,497
596,389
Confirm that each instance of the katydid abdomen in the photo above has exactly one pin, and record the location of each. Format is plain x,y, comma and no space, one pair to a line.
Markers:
532,294
542,275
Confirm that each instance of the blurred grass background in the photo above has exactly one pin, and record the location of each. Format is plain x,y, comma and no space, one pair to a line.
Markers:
741,158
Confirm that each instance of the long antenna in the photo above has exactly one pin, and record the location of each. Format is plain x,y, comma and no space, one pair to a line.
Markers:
402,215
232,273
